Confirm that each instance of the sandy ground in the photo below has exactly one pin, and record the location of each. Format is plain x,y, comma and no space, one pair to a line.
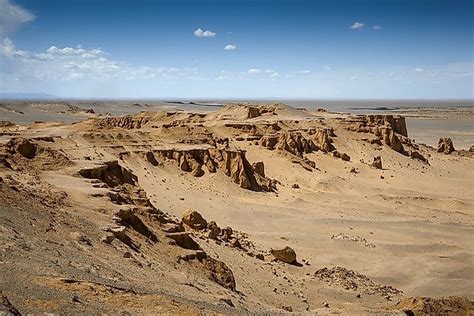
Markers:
367,239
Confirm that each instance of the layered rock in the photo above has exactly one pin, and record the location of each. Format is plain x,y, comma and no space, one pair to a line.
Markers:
397,124
390,130
233,163
127,121
297,144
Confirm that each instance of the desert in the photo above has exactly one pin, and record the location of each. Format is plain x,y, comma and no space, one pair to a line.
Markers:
241,209
237,157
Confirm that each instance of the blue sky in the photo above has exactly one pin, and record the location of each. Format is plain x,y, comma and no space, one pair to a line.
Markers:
238,49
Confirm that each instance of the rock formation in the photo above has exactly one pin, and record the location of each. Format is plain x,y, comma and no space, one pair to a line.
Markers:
445,145
452,305
377,163
111,173
298,144
127,121
233,163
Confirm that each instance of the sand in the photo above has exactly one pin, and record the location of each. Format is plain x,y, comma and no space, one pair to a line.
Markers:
367,240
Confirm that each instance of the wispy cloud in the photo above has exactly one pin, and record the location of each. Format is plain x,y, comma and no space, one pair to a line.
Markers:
254,71
267,72
376,27
418,69
12,16
304,71
202,33
230,47
357,26
73,63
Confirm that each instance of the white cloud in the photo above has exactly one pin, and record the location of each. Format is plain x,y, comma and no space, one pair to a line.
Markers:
263,73
327,68
377,27
202,33
418,69
304,71
230,47
69,63
12,16
254,71
357,26
275,75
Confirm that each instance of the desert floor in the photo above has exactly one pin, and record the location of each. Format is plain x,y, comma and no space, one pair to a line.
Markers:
91,208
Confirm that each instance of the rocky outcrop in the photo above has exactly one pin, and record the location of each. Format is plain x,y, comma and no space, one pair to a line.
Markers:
453,305
352,280
397,124
184,240
445,145
233,163
466,153
377,163
292,142
216,270
111,173
297,144
31,154
416,155
286,254
323,139
220,273
128,217
194,220
389,128
127,121
150,157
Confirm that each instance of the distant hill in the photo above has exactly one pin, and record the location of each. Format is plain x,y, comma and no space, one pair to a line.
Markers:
27,96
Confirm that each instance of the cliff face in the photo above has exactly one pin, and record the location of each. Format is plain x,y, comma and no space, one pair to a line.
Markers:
233,163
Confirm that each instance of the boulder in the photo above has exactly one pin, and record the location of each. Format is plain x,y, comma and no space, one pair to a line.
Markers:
194,220
445,145
226,233
214,230
342,156
26,148
286,254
